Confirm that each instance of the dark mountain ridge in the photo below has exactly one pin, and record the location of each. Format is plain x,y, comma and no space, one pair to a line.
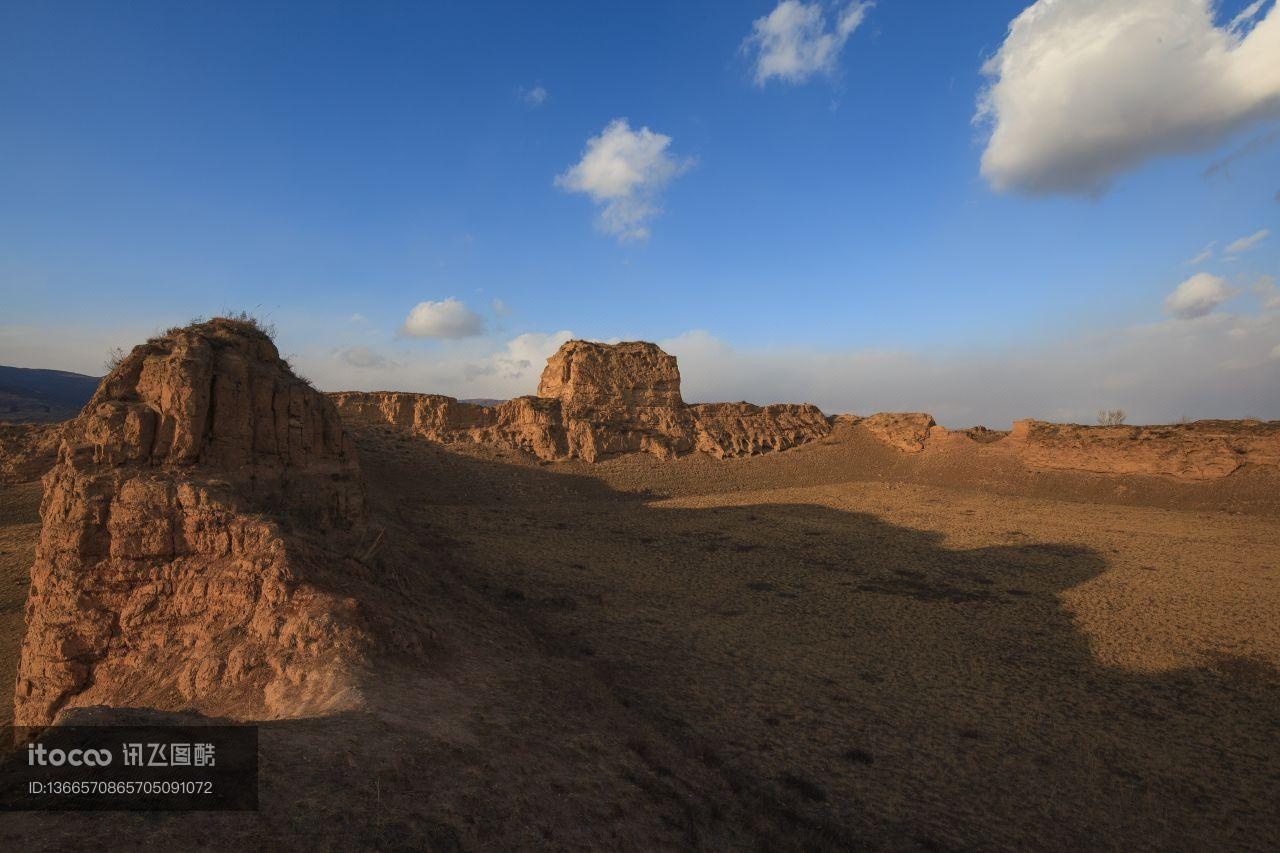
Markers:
31,394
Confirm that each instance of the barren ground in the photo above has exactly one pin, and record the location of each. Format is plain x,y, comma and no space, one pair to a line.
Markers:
19,531
837,646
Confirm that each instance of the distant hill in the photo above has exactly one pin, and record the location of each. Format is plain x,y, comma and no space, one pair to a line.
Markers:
28,395
482,401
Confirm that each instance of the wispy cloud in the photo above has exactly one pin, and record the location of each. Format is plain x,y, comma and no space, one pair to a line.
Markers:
1268,293
624,172
1081,91
1204,255
476,367
793,42
533,98
1244,244
1223,166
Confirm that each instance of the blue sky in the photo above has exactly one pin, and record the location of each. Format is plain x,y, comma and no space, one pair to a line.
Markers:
839,228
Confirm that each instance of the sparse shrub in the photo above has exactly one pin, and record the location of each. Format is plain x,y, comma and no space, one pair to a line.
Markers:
268,329
1110,417
115,355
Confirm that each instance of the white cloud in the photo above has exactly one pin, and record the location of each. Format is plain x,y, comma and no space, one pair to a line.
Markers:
1247,14
1218,365
624,171
1197,296
357,318
1268,293
1082,90
1202,257
793,43
500,308
447,318
364,357
523,357
1244,244
488,367
1156,372
533,98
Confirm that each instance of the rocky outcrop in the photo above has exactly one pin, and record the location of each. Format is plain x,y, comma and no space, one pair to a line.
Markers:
600,400
982,435
195,541
595,401
907,431
741,429
618,398
1203,450
586,376
525,423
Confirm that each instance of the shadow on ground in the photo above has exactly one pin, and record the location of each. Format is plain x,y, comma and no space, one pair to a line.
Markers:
861,672
616,674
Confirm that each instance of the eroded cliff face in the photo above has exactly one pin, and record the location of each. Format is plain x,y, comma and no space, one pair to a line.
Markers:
595,401
525,423
600,400
618,398
195,541
585,376
725,430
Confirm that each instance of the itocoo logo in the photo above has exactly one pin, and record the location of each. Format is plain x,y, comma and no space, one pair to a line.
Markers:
37,754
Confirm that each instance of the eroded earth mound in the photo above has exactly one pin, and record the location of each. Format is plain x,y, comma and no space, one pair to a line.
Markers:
1203,450
596,401
196,528
907,431
1198,451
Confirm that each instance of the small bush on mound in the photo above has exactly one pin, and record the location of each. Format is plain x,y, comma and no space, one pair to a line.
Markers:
268,329
115,355
240,318
1110,417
